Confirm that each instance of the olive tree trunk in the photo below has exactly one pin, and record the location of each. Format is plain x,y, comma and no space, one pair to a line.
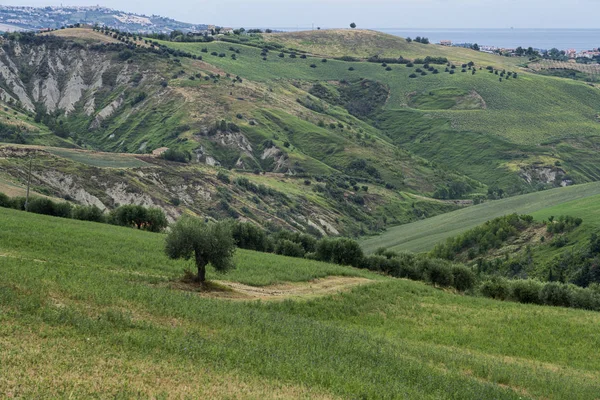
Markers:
201,265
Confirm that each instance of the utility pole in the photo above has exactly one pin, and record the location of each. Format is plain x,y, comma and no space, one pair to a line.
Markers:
28,184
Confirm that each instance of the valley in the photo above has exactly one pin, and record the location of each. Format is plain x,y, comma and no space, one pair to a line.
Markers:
322,214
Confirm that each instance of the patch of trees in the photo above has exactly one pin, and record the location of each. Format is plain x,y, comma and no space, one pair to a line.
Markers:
564,223
150,219
12,134
531,291
456,189
422,40
362,167
479,240
176,155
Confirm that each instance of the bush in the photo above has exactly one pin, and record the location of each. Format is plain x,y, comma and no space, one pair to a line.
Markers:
223,177
464,278
556,294
585,299
150,219
5,201
437,272
526,291
495,288
404,266
62,210
341,251
288,248
251,237
88,213
376,263
181,156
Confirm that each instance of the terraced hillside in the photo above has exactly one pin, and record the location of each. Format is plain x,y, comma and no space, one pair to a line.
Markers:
88,308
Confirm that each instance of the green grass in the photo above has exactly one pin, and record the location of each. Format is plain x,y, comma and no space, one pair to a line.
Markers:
102,160
74,301
423,235
103,309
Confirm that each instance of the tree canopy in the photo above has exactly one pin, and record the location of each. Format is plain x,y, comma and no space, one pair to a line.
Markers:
208,243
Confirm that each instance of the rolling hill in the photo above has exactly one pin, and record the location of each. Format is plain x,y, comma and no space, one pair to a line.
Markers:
91,307
14,18
423,235
371,142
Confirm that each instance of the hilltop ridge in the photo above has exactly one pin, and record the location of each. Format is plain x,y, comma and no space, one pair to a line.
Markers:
15,18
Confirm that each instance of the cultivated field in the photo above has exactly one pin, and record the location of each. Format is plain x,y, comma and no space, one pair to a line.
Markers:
99,159
423,235
88,308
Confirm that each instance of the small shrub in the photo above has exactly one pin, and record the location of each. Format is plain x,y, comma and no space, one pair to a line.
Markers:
526,291
437,272
556,294
288,248
495,288
464,278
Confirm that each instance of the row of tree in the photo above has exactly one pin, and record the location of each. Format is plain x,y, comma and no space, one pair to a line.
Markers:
135,216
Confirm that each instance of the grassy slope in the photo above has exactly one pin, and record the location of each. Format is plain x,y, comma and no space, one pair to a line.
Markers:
423,235
103,309
366,43
519,114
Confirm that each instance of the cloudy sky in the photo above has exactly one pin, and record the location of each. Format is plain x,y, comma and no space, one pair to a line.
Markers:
366,13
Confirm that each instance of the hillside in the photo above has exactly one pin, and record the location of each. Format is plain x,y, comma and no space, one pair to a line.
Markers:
364,145
423,235
510,134
363,43
14,18
91,307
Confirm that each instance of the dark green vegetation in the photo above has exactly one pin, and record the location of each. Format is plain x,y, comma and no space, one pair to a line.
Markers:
423,235
135,216
106,296
206,242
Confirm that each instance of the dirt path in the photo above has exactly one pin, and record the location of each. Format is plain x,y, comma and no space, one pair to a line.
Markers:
317,287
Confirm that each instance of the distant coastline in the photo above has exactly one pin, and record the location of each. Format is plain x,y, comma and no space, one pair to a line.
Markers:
544,39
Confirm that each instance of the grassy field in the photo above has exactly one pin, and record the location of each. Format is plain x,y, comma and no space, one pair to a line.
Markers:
366,43
424,235
102,160
88,308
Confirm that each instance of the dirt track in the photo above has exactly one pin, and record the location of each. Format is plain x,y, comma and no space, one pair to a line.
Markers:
318,287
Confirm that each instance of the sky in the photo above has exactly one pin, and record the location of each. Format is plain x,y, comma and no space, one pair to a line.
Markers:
365,13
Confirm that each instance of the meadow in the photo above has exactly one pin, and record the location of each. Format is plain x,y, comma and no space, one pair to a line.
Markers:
423,235
88,308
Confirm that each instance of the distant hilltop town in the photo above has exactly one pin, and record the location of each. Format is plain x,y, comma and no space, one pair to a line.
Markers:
584,56
14,18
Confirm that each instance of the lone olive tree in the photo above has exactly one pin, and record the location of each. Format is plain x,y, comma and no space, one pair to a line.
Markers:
207,242
353,25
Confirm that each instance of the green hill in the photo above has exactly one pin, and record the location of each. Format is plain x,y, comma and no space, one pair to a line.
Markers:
423,235
291,105
90,300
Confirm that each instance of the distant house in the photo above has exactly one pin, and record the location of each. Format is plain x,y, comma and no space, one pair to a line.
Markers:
571,53
446,42
226,31
158,152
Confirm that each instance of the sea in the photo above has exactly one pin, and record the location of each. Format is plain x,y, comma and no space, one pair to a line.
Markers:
544,39
541,39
